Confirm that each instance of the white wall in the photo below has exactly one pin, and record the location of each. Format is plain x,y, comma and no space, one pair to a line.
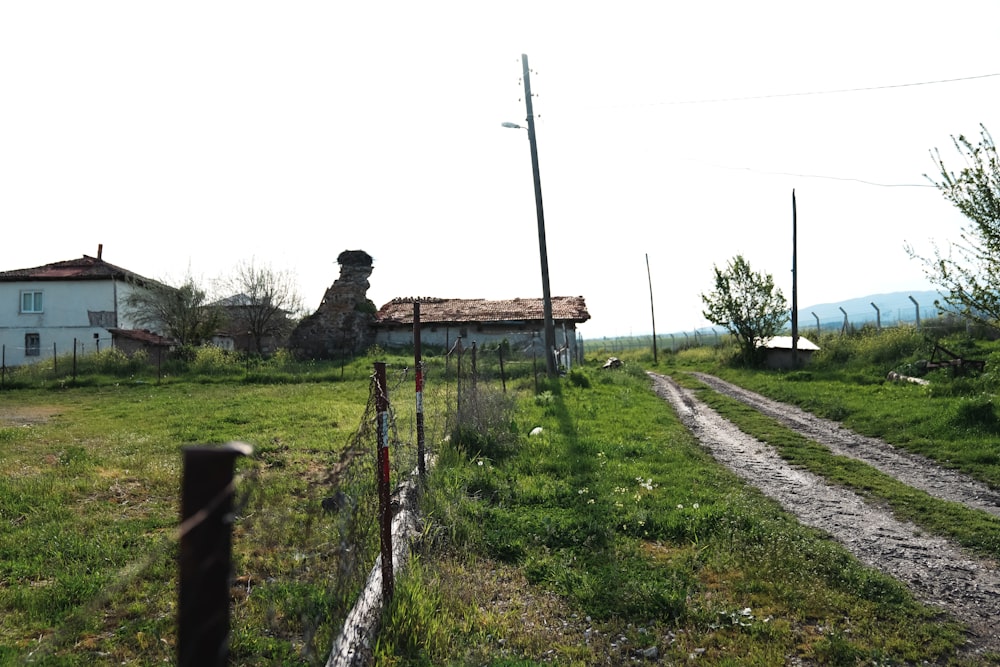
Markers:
64,317
520,341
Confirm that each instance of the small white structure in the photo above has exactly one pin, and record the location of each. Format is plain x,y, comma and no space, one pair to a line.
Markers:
778,352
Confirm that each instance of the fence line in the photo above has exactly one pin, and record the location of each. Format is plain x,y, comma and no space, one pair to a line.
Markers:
682,340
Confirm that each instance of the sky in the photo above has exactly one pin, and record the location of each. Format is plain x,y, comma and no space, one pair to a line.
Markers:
188,137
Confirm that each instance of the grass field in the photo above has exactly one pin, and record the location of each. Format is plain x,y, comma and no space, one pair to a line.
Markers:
611,536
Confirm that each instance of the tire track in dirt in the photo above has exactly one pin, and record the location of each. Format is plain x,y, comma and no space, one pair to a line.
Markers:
911,469
936,571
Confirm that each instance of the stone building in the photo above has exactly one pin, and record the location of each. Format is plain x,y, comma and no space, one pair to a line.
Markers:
342,325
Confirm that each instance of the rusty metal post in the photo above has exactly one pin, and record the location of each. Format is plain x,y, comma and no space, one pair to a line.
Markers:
384,505
419,375
205,558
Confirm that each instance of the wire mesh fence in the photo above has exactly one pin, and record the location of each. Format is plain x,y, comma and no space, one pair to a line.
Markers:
303,543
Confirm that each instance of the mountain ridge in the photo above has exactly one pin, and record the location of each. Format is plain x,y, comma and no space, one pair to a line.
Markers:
893,308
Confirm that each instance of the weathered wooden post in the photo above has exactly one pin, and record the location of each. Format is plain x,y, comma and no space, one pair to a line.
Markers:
419,378
503,377
473,364
384,506
205,558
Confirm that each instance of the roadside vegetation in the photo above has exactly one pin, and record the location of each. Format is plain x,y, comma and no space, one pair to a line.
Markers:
612,536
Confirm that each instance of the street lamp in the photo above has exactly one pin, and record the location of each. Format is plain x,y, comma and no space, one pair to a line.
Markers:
550,330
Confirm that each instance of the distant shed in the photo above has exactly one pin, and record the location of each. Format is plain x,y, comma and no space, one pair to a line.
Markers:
778,352
518,321
131,341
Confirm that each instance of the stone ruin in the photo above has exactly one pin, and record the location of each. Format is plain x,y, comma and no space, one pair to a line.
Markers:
342,325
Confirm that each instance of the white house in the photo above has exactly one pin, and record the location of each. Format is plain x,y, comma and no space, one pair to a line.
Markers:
51,310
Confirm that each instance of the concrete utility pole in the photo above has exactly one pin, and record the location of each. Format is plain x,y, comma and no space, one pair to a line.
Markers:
652,312
795,286
550,330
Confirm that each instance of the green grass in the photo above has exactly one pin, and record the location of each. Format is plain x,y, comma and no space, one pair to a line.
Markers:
609,534
89,507
974,529
622,534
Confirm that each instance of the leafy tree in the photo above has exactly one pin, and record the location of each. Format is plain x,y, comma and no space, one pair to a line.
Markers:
264,301
182,313
747,304
969,272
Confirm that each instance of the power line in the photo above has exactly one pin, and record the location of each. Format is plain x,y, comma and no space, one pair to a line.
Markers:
821,176
835,91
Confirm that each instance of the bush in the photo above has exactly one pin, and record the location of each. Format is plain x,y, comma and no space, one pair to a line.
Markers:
484,426
579,378
212,360
977,413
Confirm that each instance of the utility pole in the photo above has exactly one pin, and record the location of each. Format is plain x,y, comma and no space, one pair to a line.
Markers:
550,330
795,286
651,311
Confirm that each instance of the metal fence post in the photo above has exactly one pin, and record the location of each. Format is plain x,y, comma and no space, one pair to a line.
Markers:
384,506
205,558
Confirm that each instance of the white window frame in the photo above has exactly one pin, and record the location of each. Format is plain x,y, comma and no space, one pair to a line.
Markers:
32,350
32,299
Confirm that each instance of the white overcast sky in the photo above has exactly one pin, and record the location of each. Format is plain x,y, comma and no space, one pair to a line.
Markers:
189,136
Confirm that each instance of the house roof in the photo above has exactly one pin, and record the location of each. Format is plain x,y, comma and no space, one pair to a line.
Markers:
143,336
85,268
785,343
457,311
240,300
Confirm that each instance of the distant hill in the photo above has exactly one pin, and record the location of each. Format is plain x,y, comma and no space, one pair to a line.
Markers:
893,308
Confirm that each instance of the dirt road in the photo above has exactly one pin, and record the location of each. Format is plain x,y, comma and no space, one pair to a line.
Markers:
936,570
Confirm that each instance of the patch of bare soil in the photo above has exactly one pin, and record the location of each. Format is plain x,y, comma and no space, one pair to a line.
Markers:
26,416
937,571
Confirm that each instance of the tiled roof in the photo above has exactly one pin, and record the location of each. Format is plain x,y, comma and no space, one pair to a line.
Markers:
143,336
85,268
455,311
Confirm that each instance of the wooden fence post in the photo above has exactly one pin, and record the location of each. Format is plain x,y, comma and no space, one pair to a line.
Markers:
206,558
419,375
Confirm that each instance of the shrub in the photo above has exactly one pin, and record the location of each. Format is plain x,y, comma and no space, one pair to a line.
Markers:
579,378
484,425
976,413
212,360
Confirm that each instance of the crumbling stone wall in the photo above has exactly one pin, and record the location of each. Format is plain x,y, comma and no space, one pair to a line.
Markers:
342,325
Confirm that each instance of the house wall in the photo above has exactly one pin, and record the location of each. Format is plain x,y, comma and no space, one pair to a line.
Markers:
80,310
521,340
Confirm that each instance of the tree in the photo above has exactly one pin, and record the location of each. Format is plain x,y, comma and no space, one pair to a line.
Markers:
263,303
747,304
182,313
969,272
